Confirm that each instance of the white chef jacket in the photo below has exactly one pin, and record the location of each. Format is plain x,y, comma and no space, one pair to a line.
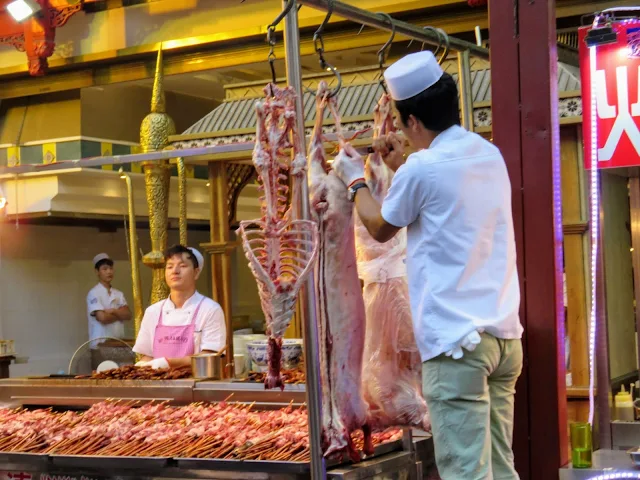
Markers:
210,332
455,200
99,298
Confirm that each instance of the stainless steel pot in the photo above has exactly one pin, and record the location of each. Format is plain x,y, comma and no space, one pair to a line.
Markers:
208,365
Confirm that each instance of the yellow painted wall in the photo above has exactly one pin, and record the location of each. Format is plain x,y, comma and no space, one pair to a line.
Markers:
116,111
35,118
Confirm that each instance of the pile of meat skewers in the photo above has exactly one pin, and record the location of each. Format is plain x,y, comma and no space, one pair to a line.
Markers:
294,376
221,430
129,372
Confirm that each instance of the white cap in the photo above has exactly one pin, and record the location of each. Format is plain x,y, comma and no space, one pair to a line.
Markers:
412,74
99,257
198,256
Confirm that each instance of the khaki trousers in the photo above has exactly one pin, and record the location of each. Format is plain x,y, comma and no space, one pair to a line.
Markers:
471,404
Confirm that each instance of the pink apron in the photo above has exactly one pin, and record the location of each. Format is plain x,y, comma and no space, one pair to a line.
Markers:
175,342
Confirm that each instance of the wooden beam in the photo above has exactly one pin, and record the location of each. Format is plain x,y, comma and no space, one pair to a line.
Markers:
525,119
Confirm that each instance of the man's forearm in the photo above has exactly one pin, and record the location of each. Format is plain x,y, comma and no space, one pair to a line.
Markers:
370,214
106,317
123,313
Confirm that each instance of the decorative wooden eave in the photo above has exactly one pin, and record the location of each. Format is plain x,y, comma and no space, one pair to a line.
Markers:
234,120
36,35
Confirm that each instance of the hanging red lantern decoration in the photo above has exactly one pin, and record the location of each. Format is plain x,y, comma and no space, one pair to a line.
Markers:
36,35
477,3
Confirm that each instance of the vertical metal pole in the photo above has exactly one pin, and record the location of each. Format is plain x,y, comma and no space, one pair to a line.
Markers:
466,95
310,328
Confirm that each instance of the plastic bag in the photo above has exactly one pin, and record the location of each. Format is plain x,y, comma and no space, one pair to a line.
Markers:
392,368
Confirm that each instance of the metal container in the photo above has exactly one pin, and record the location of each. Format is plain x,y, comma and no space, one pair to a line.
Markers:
208,365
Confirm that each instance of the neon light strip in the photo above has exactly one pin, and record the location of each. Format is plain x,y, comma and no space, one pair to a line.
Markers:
617,475
595,218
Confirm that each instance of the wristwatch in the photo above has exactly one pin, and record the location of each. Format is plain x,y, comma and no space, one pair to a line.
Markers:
354,188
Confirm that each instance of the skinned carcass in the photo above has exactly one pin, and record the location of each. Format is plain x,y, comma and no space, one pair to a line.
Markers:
281,250
340,308
392,381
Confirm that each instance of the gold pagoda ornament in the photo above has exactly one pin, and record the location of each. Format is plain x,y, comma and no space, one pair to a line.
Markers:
154,136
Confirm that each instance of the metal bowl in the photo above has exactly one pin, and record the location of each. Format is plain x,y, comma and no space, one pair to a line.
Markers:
208,366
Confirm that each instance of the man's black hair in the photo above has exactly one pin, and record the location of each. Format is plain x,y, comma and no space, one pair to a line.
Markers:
178,250
436,107
104,261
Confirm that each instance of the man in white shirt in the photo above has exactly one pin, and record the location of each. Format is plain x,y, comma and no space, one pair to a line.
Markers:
454,197
184,324
107,308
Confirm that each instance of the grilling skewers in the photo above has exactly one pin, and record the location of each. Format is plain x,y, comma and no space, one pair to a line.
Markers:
114,428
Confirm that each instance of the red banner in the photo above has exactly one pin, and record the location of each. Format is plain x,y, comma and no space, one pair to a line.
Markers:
617,88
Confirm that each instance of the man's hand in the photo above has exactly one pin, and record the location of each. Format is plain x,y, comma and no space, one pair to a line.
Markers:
348,165
391,149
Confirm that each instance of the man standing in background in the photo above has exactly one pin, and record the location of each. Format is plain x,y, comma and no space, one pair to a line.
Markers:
106,307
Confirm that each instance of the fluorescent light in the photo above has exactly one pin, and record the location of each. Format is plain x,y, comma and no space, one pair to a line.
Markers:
20,10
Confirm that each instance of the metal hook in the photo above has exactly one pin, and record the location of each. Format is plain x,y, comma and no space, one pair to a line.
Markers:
434,30
318,45
335,91
283,13
447,46
385,48
271,40
330,5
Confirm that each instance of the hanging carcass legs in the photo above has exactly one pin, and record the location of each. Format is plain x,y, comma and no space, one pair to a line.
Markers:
341,314
281,250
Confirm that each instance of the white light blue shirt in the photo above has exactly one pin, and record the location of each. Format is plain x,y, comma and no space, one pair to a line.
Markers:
99,298
455,200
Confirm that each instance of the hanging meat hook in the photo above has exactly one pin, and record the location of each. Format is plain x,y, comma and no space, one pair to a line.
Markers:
443,41
318,45
271,40
384,51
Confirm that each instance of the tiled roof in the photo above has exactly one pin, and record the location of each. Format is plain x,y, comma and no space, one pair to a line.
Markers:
354,101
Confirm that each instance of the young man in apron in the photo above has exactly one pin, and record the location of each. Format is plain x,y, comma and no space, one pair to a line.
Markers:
454,197
184,324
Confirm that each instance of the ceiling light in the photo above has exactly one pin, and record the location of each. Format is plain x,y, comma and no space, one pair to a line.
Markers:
21,10
3,200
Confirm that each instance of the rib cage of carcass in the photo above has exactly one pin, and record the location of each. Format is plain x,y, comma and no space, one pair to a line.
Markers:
281,249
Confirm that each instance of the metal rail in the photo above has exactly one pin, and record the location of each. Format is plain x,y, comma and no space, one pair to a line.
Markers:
378,21
308,298
466,94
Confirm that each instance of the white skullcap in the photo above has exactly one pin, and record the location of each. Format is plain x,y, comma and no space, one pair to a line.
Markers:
198,256
412,74
99,257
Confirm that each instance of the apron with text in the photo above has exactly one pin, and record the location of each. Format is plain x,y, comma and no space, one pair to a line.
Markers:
178,341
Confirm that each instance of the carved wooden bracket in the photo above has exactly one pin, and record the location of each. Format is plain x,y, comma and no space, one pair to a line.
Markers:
36,36
237,177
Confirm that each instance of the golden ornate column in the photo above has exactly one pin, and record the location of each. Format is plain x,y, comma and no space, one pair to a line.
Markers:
182,195
134,257
220,249
154,134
